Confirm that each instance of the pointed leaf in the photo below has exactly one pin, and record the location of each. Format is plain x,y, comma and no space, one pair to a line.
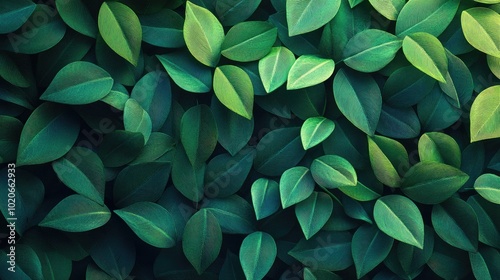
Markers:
370,247
485,115
249,41
257,254
274,67
136,119
309,70
120,147
331,172
77,16
306,16
163,29
187,178
234,89
296,184
439,147
235,214
232,12
13,14
389,160
265,197
313,213
484,263
315,130
480,27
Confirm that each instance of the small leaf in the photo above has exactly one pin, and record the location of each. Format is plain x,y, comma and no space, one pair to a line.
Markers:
150,222
488,186
76,213
121,29
315,130
136,119
398,217
296,184
331,172
309,70
370,247
234,89
249,41
485,115
274,67
257,254
203,34
78,83
306,16
313,213
265,197
202,240
427,54
389,160
13,14
480,27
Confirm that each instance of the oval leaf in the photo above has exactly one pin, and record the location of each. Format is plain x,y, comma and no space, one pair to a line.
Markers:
248,41
13,14
265,197
309,70
136,119
485,115
306,16
234,89
331,172
257,254
315,130
480,26
198,133
274,67
370,247
488,186
313,213
296,184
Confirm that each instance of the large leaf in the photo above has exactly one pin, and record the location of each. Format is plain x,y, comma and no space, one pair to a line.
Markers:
485,115
13,14
274,67
202,240
358,98
427,54
429,12
389,160
398,217
76,213
309,70
150,222
480,26
257,254
248,41
77,16
49,123
136,119
488,186
203,34
371,50
313,213
315,130
296,184
121,29
306,16
370,247
432,182
234,89
331,171
265,197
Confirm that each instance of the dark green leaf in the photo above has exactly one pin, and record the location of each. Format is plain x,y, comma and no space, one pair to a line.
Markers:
163,29
484,263
120,147
488,216
308,102
231,12
398,122
13,14
296,184
187,178
370,247
77,16
235,214
265,197
257,254
448,262
136,119
313,213
10,131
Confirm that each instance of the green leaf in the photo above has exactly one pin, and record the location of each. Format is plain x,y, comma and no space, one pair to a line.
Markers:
370,247
257,254
77,16
429,12
274,67
235,214
49,123
13,14
485,115
140,182
439,147
187,72
11,72
484,263
308,102
76,213
231,269
154,94
231,12
371,50
278,151
313,213
198,133
150,222
265,197
120,147
488,215
315,130
431,182
413,259
187,178
480,26
306,16
203,34
398,217
82,171
163,29
367,191
136,119
28,265
389,9
334,247
331,172
202,240
234,89
459,84
430,111
358,98
10,131
248,41
488,186
398,122
389,160
449,262
120,28
296,184
309,70
456,223
494,65
427,54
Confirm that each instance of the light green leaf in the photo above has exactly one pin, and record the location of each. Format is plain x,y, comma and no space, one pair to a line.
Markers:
306,16
76,213
274,67
371,50
315,130
309,70
82,171
265,197
203,34
439,147
427,54
494,65
485,115
248,41
331,172
358,98
398,217
257,254
202,240
388,8
370,247
389,160
296,184
150,222
488,186
136,119
13,14
121,29
49,123
480,26
234,89
77,16
313,213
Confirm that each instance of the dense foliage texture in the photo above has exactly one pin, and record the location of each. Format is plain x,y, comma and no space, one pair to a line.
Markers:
249,139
